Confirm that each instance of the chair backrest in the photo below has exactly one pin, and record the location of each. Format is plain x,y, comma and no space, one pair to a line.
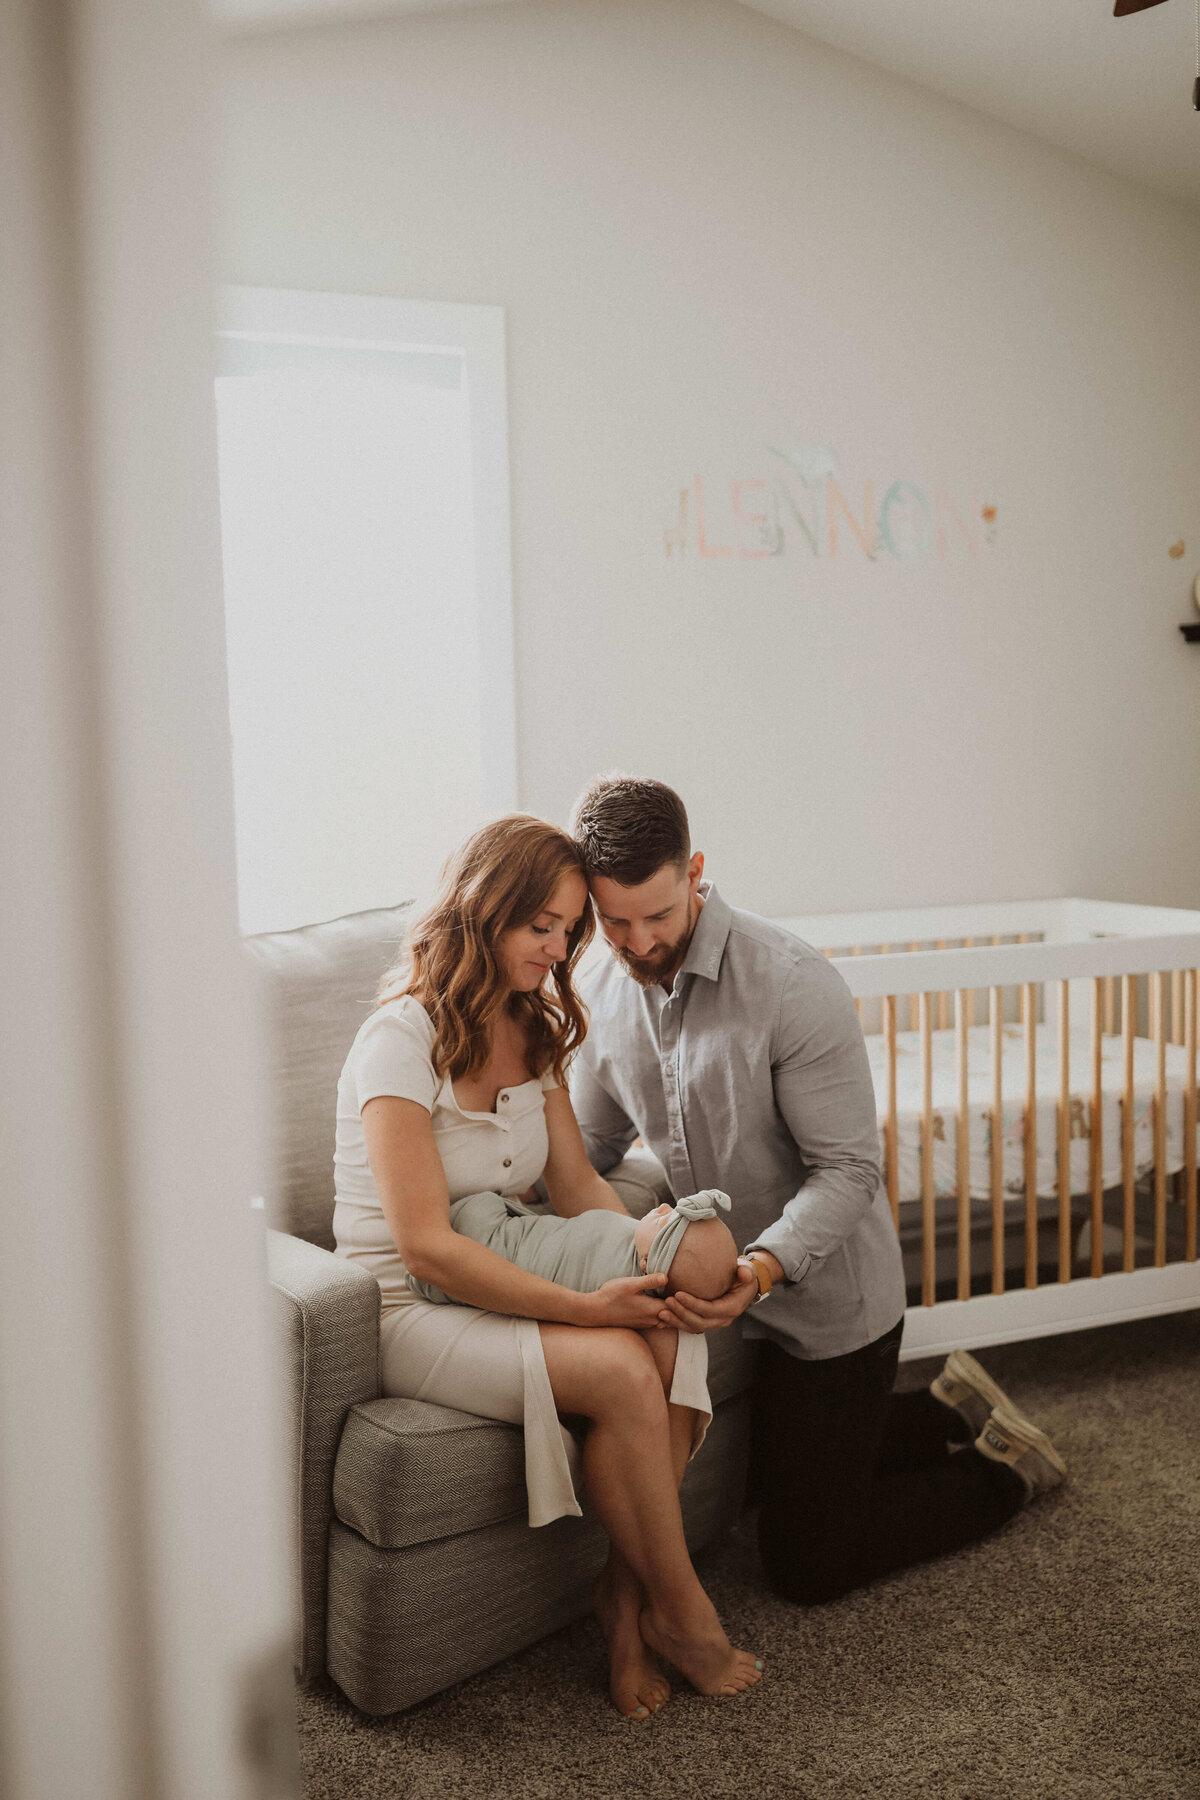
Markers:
320,985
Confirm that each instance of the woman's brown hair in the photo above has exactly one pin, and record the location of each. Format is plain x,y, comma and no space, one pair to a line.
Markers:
503,876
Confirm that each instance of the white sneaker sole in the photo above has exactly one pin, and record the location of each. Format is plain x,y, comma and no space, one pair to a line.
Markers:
1008,1438
967,1387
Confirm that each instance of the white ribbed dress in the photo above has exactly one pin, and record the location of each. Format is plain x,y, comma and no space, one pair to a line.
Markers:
480,1362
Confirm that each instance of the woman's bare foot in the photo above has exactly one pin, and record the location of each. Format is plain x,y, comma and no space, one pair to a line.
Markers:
635,1681
704,1655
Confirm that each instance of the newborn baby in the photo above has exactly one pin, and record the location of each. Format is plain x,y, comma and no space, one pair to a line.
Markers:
686,1243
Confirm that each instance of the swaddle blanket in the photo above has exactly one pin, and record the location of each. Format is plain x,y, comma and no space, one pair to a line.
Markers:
581,1252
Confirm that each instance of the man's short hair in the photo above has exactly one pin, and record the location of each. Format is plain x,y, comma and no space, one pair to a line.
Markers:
628,829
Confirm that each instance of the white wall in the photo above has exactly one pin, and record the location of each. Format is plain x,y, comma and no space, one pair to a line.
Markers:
712,235
143,1557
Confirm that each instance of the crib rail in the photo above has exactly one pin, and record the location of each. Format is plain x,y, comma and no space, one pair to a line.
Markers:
1111,986
1013,964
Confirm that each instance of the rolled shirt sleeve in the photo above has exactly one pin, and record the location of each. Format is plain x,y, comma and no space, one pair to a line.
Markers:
823,1089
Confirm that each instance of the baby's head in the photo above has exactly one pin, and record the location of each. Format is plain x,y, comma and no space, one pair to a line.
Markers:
704,1258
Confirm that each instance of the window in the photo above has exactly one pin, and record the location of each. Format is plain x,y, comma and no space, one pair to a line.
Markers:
365,544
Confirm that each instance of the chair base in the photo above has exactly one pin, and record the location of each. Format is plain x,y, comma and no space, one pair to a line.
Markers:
404,1624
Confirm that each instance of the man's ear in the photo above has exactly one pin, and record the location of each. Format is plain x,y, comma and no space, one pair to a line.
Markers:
695,871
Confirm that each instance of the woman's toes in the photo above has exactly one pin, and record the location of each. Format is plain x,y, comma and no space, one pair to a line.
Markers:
654,1693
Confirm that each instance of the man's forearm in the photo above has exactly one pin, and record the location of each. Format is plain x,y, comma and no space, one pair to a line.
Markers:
819,1218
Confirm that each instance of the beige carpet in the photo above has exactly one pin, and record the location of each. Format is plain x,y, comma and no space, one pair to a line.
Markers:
1060,1658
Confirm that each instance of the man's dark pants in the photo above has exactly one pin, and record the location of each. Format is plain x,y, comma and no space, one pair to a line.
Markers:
854,1481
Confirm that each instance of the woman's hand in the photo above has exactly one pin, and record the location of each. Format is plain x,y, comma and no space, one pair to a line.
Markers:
629,1300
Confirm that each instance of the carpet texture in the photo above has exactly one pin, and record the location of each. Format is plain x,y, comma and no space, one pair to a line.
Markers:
1058,1659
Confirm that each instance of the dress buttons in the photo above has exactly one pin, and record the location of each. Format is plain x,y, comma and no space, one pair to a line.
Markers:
504,1098
508,1162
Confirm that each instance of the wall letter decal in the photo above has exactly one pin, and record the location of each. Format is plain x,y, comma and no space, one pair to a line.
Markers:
702,543
865,534
785,491
905,521
943,505
758,531
675,536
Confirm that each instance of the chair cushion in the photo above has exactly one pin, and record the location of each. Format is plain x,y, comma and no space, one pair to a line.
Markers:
320,985
408,1472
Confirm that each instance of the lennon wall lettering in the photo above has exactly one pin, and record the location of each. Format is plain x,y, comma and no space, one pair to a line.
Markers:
801,504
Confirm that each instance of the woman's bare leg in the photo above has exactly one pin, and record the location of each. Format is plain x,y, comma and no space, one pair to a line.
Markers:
637,1683
610,1377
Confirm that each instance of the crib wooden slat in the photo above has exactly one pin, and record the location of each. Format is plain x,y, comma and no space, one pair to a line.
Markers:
913,1007
1189,1113
962,1148
1158,983
1022,938
943,999
1064,1131
995,998
1096,1126
1110,1006
969,944
1128,1031
1177,1026
928,1220
891,1130
1029,1014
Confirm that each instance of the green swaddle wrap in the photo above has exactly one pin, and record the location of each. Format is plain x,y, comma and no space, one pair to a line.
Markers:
581,1252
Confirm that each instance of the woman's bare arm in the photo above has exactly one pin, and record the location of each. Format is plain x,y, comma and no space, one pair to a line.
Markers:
411,1184
571,1182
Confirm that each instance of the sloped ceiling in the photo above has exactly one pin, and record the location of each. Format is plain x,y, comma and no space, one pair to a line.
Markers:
1116,91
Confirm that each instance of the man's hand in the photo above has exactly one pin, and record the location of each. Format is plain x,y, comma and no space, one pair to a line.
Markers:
687,1313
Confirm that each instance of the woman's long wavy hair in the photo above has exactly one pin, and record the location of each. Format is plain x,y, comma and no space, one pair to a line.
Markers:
501,877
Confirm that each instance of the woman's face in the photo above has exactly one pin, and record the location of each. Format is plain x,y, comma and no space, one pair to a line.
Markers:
527,952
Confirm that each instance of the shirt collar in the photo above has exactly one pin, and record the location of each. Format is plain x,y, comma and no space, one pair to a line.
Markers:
708,942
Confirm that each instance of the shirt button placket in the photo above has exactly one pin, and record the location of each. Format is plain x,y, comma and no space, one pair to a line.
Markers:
680,1170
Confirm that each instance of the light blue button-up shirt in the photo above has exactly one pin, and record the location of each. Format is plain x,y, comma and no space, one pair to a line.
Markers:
751,1075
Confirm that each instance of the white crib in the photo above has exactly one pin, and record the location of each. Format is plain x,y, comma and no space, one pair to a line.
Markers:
1035,1067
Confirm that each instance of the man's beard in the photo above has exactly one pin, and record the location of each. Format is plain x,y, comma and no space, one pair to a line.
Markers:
647,971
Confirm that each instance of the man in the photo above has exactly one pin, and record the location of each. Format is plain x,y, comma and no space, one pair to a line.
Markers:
734,1051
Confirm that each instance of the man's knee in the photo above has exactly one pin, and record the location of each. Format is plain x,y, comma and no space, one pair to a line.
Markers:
809,1561
806,1583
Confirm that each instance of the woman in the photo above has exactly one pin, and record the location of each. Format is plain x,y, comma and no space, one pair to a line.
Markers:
454,1085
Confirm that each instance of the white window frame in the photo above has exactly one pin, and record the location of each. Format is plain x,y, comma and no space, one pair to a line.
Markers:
476,334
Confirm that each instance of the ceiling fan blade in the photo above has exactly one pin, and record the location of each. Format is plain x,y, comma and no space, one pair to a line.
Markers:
1124,7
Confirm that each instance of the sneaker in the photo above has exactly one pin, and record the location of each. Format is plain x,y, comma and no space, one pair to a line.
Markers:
1008,1438
971,1391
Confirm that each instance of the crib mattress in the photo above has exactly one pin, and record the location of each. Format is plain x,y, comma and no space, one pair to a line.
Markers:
910,1108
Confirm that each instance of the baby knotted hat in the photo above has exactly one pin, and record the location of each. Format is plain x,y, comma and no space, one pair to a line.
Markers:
669,1235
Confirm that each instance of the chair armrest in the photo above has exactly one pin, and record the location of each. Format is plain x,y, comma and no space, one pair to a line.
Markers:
325,1331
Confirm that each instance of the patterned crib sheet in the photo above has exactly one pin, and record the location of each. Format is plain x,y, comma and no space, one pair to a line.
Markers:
910,1106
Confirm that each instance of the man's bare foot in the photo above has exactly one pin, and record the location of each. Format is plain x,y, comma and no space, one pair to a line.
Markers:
635,1681
705,1656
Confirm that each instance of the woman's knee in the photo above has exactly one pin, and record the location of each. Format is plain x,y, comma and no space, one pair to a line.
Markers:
626,1373
601,1372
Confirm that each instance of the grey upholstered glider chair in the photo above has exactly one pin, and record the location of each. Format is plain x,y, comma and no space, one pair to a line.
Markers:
413,1563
